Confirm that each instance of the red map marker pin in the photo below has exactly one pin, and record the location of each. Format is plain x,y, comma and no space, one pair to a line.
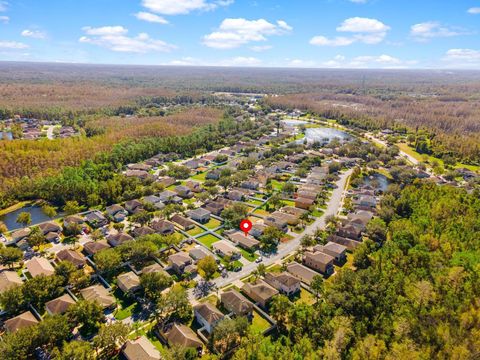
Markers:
246,226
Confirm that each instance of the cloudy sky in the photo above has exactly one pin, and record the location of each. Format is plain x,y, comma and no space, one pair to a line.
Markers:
281,33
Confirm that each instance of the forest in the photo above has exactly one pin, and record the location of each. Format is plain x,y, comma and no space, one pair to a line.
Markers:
415,297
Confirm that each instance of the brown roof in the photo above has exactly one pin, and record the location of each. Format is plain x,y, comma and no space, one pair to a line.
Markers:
182,335
153,268
241,239
181,258
260,289
283,278
98,293
319,257
161,225
128,281
302,272
60,304
236,302
40,266
209,312
72,256
183,222
118,239
21,321
9,279
140,349
92,247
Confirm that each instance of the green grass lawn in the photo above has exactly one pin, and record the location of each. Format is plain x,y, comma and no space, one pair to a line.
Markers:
289,203
213,223
305,297
208,240
277,185
148,332
248,255
255,202
259,323
317,213
200,177
259,196
195,231
261,212
124,312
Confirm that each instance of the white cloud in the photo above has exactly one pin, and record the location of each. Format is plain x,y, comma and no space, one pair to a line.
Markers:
241,61
4,44
4,19
181,7
432,29
369,61
364,30
115,38
359,1
337,41
36,34
474,10
233,33
300,63
462,58
3,6
260,48
149,17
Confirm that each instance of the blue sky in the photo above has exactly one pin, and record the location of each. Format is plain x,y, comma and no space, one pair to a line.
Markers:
281,33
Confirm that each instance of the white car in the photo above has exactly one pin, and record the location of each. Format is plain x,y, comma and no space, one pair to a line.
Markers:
259,259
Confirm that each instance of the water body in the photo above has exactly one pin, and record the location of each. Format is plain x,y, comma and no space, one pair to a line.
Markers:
10,219
6,135
322,134
294,122
377,181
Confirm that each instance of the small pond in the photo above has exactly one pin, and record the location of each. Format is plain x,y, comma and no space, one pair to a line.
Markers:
10,219
377,181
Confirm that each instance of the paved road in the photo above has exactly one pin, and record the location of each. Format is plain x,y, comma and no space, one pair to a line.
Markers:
290,247
383,143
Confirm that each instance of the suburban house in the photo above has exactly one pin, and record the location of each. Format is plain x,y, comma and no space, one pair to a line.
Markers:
304,203
192,164
236,303
142,231
140,349
169,197
235,195
250,184
260,292
155,201
154,268
96,219
93,247
198,253
276,221
224,248
20,234
99,294
118,239
214,207
199,215
163,227
73,220
128,282
39,266
184,192
182,222
72,256
166,181
289,218
142,167
116,212
194,186
293,211
213,175
50,230
140,174
339,252
207,315
246,242
258,229
348,243
178,334
366,201
179,261
319,261
9,279
133,206
59,305
303,273
351,231
284,282
21,321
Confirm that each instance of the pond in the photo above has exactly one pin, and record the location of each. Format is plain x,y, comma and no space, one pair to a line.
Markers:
10,219
294,122
320,134
6,135
377,181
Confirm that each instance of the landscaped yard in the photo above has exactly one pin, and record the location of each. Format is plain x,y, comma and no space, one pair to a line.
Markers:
289,202
317,213
255,202
213,223
261,212
305,297
148,332
200,176
259,323
195,231
126,306
208,240
248,255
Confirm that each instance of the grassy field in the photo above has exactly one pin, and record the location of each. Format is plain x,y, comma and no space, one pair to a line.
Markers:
289,202
430,159
248,255
259,323
212,224
208,240
255,202
200,177
195,231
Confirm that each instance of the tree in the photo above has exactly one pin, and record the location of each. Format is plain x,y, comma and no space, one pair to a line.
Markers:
76,350
65,269
317,285
10,255
288,188
12,300
172,306
228,333
276,201
24,218
377,230
234,214
208,266
280,310
307,241
73,229
109,337
107,260
36,237
3,228
142,217
270,238
49,211
362,254
87,314
72,207
154,283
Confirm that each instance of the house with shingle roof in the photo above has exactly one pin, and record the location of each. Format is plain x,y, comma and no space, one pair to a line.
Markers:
142,231
163,227
128,282
39,266
319,261
59,305
72,256
21,321
303,273
182,222
207,315
178,334
99,294
284,282
8,279
93,247
246,242
118,239
179,261
224,248
260,292
339,252
235,302
140,349
199,215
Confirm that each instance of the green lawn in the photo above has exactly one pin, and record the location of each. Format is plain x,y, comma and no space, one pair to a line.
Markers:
259,323
317,213
261,212
148,332
208,240
289,203
255,202
201,176
123,313
195,231
248,255
277,185
305,297
213,223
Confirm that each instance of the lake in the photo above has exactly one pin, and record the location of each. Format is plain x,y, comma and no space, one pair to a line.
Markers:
322,134
377,181
10,219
